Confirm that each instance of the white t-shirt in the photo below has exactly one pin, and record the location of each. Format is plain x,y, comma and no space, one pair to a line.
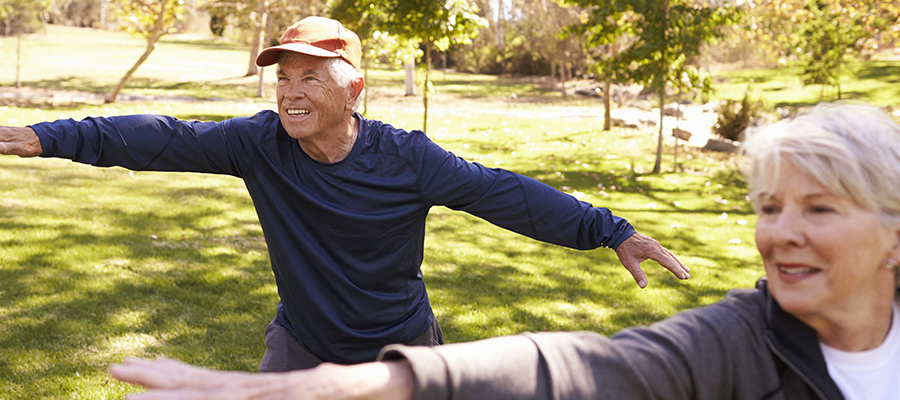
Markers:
872,374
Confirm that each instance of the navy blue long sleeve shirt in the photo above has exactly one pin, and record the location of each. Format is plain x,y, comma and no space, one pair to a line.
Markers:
345,239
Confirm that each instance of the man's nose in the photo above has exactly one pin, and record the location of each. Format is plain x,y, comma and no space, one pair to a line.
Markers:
294,90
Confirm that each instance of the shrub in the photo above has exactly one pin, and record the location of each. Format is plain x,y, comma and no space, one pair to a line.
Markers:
736,115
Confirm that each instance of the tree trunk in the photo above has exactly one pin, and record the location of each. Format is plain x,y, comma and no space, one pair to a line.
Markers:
677,118
104,6
258,29
159,30
661,81
563,77
426,87
267,34
607,113
410,77
18,61
366,94
657,166
607,92
552,75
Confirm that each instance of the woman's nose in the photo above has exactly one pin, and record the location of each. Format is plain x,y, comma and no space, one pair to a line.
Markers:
787,229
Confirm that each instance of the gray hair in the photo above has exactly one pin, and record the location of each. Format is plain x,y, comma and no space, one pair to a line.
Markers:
343,73
851,149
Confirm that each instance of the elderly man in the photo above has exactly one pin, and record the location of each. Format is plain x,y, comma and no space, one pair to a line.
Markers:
342,200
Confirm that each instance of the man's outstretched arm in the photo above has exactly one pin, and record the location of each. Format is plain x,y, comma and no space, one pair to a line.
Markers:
19,141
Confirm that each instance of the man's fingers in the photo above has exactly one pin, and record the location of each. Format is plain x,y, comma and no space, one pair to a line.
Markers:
22,142
672,263
639,248
638,274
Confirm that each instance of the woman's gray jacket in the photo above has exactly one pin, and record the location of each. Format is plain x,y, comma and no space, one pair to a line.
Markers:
744,347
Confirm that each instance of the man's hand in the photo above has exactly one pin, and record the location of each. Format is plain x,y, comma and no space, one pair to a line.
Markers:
22,142
168,380
639,248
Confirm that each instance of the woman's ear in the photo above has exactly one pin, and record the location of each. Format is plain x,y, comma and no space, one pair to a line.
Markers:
894,254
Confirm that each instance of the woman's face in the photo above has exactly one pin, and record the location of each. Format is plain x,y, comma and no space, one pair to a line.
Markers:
823,253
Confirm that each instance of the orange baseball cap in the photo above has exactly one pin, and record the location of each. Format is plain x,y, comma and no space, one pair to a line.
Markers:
316,36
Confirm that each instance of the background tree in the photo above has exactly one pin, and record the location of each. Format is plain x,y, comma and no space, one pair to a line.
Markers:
667,34
378,47
19,17
436,24
607,38
82,13
151,19
542,23
819,37
250,19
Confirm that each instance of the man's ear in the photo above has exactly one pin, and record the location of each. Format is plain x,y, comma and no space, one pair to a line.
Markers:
356,88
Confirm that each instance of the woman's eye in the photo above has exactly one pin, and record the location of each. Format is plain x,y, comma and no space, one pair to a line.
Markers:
769,209
821,209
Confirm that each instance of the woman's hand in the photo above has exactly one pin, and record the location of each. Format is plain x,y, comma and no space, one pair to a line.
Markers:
168,379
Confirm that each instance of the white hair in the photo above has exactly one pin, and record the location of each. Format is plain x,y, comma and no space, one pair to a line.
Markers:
343,73
851,149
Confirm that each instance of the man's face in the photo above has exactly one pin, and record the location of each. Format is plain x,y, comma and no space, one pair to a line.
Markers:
311,105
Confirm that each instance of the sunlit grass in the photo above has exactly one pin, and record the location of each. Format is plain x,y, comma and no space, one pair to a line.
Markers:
874,82
99,264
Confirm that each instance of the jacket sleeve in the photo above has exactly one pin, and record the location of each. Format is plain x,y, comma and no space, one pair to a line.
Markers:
154,142
516,202
710,353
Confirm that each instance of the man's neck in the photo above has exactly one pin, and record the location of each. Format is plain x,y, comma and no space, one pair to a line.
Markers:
333,149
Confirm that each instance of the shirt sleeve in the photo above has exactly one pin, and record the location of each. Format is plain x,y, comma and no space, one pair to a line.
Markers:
154,142
516,202
708,353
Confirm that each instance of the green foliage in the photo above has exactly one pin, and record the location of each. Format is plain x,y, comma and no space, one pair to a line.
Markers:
149,19
379,46
664,36
735,116
435,23
820,37
21,16
438,22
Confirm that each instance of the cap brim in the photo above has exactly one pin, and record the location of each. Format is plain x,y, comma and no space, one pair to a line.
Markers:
270,55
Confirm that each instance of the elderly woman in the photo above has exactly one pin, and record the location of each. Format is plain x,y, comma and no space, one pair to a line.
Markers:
822,324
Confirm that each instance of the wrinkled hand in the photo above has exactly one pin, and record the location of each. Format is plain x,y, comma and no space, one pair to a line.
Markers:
639,248
22,142
169,380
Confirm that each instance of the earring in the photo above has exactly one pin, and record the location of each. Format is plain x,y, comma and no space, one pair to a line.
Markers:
891,264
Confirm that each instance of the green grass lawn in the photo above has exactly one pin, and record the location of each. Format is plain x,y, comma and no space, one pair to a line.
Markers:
99,264
874,82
